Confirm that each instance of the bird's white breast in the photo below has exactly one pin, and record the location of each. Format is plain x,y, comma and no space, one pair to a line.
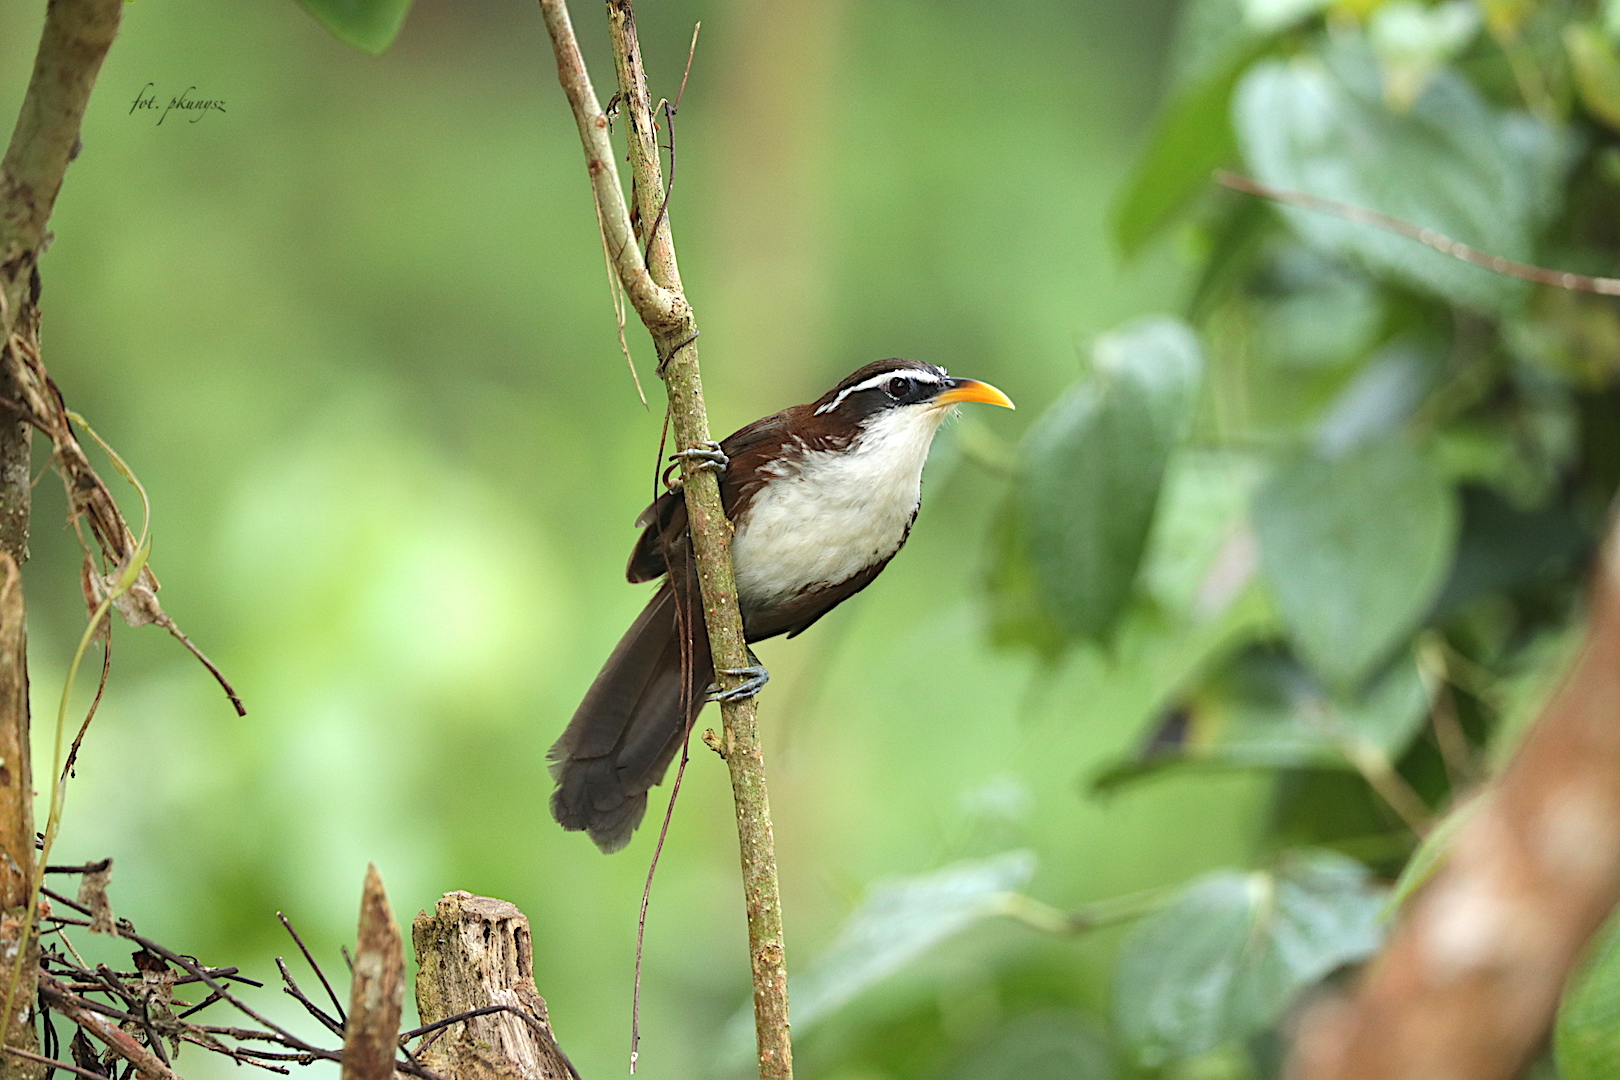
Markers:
826,515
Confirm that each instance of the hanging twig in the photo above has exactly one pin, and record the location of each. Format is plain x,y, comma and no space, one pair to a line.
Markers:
646,898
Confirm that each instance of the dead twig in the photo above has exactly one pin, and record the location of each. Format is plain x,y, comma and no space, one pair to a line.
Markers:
313,966
115,1038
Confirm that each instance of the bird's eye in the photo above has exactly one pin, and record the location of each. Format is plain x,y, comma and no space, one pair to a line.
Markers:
897,387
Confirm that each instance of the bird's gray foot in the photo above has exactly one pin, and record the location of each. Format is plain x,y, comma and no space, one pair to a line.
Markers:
707,456
754,679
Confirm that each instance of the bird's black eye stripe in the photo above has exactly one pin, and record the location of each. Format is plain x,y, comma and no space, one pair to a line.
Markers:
897,387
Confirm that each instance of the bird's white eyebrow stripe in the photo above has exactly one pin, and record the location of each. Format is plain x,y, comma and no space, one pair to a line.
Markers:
916,374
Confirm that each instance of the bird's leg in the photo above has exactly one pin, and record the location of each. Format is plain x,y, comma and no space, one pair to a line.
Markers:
754,679
705,456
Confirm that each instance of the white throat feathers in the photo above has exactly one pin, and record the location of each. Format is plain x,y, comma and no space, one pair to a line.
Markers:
826,515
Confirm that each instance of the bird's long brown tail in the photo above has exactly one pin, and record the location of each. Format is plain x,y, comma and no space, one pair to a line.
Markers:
633,719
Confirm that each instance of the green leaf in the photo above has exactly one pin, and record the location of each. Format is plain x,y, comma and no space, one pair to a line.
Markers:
369,25
1597,71
1586,1038
1264,710
1450,163
1209,33
1220,963
1049,1045
1321,313
897,922
1096,461
1355,549
1200,556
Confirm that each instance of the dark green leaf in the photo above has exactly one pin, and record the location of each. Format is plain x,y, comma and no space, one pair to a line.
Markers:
1450,163
1354,549
1321,314
1503,549
1265,710
1220,963
1586,1039
1096,461
370,25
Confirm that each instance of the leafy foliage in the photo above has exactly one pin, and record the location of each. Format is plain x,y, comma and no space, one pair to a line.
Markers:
1264,710
1323,124
900,920
1040,1046
1095,463
1222,961
1407,457
1350,586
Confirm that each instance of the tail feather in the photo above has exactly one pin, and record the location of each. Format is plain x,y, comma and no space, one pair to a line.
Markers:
632,721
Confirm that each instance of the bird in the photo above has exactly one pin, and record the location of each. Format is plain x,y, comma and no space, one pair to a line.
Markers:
820,496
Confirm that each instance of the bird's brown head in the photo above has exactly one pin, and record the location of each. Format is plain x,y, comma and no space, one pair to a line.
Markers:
885,386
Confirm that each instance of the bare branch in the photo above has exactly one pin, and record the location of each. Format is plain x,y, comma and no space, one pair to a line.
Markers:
53,1063
331,995
1440,242
656,305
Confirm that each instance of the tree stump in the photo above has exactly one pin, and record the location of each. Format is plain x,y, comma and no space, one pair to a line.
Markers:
475,952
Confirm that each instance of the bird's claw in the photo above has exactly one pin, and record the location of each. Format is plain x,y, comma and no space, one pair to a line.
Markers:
754,678
704,456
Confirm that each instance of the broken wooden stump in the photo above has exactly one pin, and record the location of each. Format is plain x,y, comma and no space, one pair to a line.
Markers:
377,995
475,953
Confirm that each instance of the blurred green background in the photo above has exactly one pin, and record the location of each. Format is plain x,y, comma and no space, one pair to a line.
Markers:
354,335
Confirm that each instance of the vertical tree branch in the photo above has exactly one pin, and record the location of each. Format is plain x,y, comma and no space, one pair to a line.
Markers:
74,41
76,37
16,829
674,331
371,1032
1468,984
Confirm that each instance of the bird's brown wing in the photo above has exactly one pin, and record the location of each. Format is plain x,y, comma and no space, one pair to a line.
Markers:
632,720
663,524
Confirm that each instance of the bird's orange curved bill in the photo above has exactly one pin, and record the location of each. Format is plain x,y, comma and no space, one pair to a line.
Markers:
974,390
